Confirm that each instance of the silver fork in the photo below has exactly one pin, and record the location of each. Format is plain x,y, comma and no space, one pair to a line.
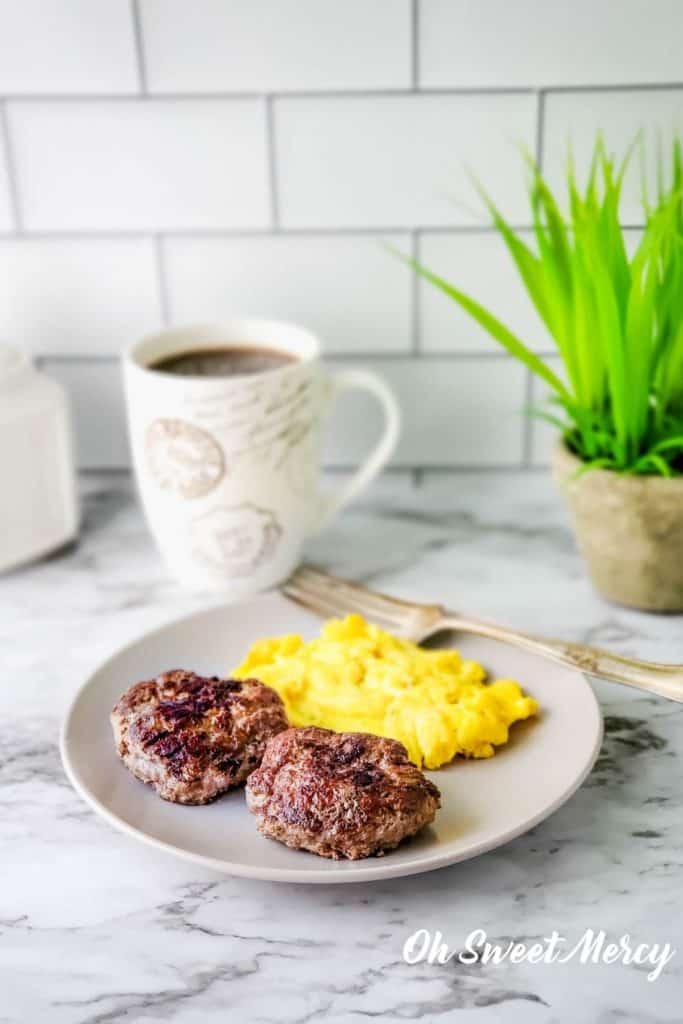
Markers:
329,596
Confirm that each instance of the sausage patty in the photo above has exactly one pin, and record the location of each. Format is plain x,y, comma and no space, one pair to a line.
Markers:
339,794
193,738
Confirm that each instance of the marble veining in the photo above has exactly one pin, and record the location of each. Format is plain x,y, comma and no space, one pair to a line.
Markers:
95,928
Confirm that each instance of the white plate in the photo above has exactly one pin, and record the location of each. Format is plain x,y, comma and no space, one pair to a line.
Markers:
485,803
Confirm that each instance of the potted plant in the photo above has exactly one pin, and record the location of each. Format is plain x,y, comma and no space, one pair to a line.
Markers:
617,322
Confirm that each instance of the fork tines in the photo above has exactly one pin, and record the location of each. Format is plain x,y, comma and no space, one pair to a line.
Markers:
330,596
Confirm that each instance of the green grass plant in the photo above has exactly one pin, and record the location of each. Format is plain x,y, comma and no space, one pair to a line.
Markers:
616,320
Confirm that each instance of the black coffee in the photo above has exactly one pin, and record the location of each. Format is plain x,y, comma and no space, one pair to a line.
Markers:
224,362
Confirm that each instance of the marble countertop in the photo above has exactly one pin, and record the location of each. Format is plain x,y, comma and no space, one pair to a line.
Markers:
96,928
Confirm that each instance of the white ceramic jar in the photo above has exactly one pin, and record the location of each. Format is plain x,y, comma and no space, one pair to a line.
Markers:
38,506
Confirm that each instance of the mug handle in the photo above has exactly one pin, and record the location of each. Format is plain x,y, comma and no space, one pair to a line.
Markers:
363,380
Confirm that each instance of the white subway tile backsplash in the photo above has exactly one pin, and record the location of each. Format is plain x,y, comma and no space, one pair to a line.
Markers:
141,173
6,217
455,413
575,119
348,289
268,45
95,390
141,165
536,43
396,161
78,296
480,265
67,46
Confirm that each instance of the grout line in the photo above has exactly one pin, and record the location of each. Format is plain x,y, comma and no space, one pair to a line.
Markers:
493,355
614,87
334,468
540,128
391,470
415,295
78,236
322,94
139,45
407,356
401,91
271,149
227,234
207,234
77,359
162,280
415,44
103,234
12,176
527,421
419,474
508,468
128,471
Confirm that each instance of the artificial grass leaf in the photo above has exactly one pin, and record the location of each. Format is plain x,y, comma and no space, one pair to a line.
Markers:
494,327
617,322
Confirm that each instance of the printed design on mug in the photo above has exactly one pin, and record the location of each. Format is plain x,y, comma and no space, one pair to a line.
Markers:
265,422
299,466
183,458
236,540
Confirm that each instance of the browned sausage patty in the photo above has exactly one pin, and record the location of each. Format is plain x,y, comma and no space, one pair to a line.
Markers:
193,738
339,794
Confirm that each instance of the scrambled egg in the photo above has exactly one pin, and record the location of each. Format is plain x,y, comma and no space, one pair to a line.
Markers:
357,678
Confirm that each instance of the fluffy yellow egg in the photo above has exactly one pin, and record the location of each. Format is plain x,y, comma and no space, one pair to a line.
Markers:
357,678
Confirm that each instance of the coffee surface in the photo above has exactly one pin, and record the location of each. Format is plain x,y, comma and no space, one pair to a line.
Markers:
233,361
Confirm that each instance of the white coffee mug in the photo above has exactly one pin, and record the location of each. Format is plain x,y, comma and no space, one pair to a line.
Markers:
228,467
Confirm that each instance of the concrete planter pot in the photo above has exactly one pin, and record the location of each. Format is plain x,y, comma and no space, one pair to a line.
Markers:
629,530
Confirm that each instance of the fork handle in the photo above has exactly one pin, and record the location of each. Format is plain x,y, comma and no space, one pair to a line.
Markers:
663,680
